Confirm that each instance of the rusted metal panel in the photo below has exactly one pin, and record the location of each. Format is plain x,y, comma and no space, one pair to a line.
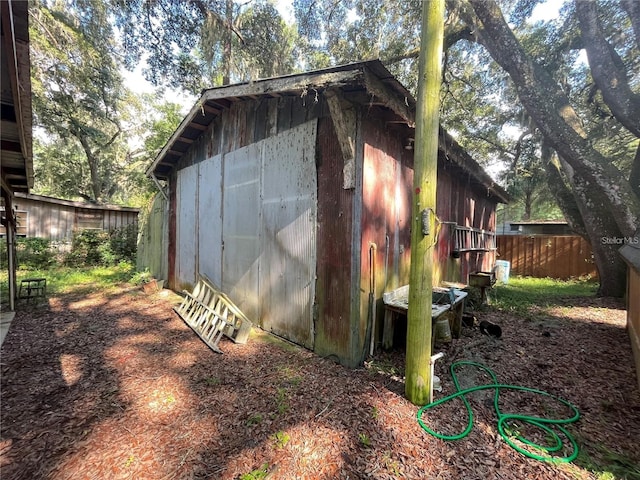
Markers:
387,184
187,226
335,214
210,219
288,259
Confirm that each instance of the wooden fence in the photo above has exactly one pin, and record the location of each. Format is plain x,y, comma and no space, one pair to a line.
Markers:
551,256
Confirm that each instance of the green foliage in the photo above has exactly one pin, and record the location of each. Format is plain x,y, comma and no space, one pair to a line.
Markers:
280,439
31,253
140,278
213,42
364,440
282,401
606,464
256,474
123,243
61,280
255,419
98,247
77,98
87,247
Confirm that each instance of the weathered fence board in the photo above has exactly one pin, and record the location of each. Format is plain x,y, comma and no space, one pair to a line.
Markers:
542,256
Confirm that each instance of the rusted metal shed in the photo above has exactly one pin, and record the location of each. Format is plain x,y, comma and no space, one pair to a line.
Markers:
294,193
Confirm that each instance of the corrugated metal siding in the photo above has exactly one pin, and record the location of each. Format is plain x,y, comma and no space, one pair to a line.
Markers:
289,210
241,228
262,251
467,205
187,226
210,215
335,215
387,185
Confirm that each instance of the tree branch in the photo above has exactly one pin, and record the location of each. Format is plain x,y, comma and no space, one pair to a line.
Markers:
554,116
607,69
632,7
562,194
449,40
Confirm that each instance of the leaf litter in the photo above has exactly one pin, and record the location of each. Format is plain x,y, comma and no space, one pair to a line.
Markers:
117,386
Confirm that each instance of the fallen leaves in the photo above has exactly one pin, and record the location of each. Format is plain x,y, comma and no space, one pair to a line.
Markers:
117,386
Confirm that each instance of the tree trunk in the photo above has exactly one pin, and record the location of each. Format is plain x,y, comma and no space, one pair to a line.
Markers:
227,47
549,107
563,196
634,176
632,7
607,69
417,370
603,235
607,203
527,206
93,161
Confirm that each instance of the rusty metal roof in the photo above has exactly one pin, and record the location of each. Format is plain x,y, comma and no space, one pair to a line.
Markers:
367,82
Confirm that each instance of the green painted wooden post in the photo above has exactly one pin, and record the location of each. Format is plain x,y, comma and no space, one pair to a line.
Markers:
418,381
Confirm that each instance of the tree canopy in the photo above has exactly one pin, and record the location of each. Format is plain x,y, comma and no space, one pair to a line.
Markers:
554,103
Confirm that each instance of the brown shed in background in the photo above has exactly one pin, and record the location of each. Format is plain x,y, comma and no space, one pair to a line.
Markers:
55,219
286,192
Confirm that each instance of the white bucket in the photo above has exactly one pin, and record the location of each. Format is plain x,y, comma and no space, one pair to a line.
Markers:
502,271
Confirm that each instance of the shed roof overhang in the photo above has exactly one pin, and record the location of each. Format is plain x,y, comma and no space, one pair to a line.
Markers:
367,83
16,161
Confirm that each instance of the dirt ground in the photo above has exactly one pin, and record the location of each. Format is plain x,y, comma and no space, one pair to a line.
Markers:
116,386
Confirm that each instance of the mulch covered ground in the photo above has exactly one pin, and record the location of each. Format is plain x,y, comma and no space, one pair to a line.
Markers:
116,386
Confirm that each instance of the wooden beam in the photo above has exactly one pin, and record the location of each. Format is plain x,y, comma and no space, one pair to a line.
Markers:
284,84
198,126
344,122
184,140
207,107
391,99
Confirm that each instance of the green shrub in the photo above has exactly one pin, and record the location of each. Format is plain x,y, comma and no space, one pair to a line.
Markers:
85,248
124,243
97,247
31,253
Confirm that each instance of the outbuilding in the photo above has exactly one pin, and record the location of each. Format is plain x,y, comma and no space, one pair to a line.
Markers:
293,194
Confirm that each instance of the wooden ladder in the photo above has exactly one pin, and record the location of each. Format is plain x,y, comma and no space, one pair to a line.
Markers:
211,314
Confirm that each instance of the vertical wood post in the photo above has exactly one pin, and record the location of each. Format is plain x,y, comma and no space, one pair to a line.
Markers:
418,378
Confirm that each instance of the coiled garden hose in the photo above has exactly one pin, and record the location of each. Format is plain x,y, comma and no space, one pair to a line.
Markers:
545,424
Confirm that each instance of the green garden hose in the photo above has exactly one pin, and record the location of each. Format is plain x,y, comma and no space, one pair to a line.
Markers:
545,424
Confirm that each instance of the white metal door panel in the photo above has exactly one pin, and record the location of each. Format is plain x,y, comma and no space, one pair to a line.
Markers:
210,219
186,225
241,228
289,209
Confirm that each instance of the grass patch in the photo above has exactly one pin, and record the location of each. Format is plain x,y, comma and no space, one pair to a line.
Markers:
257,474
606,464
61,280
280,439
523,293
